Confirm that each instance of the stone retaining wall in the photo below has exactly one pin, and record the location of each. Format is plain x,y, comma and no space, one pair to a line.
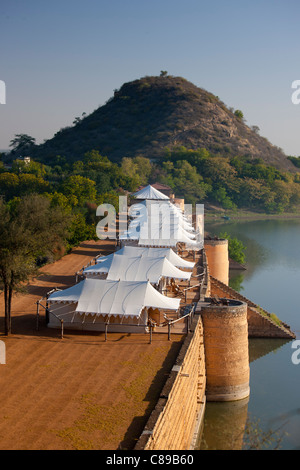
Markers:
260,322
173,424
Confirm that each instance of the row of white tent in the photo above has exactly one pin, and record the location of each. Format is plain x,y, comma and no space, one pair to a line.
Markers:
140,264
151,252
160,223
121,287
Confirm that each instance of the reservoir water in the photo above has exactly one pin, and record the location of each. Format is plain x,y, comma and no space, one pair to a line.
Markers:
271,280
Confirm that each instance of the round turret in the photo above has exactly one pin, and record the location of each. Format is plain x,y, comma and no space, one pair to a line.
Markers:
217,258
226,349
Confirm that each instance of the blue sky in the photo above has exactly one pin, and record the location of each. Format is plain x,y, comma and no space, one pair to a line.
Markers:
62,58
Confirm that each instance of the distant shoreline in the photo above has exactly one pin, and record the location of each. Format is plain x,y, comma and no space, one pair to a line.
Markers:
216,216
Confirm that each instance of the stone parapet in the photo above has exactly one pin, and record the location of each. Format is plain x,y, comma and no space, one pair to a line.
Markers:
174,422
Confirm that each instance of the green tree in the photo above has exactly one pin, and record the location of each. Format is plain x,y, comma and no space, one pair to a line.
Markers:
239,114
81,187
254,193
222,198
34,168
283,193
185,180
22,142
295,161
29,228
138,168
30,184
80,230
8,184
235,247
12,185
220,171
62,201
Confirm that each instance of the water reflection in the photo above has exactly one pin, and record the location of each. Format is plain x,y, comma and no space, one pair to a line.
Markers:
272,277
268,242
260,347
272,281
224,425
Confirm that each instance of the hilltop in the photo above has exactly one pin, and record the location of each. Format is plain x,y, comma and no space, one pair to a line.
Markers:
146,115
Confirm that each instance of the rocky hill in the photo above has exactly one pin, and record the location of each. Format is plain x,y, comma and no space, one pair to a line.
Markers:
146,115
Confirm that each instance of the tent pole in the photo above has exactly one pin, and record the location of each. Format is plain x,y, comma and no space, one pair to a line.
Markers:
169,331
106,327
47,310
37,314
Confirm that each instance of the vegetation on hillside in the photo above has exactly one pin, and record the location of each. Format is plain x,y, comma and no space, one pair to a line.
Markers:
196,175
145,116
295,161
232,182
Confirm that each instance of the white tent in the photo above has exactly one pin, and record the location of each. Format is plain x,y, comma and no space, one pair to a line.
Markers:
154,208
163,235
152,252
139,268
159,224
148,192
107,298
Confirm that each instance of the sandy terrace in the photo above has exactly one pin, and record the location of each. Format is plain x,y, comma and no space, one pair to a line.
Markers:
78,392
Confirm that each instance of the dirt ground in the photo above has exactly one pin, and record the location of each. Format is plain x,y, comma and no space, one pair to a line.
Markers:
78,392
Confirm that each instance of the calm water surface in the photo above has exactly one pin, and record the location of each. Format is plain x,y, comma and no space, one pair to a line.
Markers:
272,280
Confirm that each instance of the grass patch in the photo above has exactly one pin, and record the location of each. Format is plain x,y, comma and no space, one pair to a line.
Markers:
271,316
147,369
275,319
96,420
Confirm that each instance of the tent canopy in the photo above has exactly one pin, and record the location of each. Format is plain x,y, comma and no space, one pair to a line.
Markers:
159,224
148,192
139,268
114,298
154,208
151,252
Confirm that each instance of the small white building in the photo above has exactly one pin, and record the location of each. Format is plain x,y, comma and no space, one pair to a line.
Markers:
26,160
